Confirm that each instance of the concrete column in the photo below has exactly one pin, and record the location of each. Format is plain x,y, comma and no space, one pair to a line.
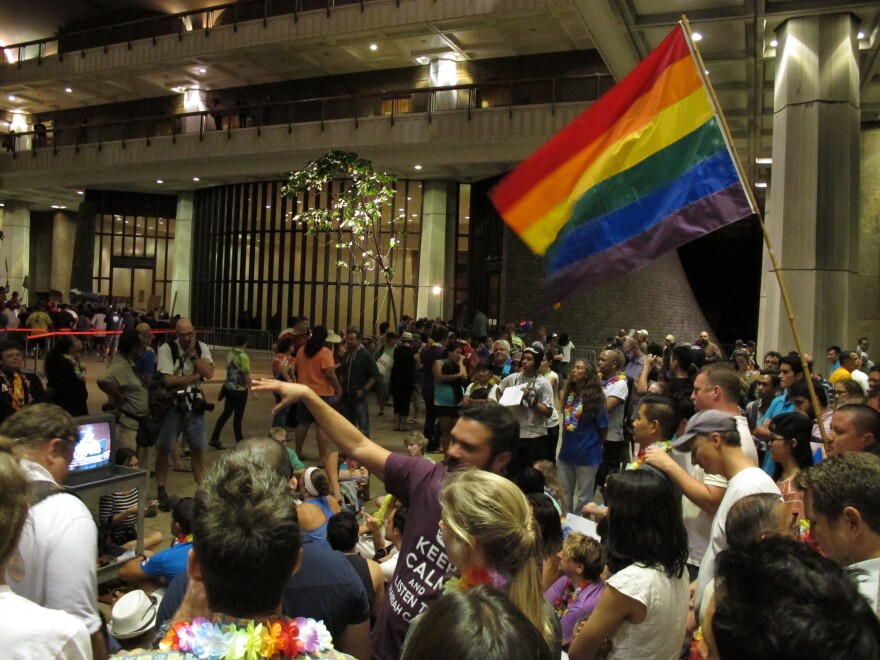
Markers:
432,251
813,216
181,285
82,271
15,250
64,231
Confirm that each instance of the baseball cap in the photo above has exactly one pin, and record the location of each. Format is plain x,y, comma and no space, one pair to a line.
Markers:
670,337
704,423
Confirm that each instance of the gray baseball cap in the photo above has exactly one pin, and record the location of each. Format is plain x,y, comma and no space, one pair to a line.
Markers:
704,423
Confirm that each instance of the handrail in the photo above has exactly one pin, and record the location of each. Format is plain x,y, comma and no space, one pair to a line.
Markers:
115,32
296,111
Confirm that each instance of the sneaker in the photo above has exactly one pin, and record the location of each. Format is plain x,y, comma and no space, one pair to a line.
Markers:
216,444
380,414
164,502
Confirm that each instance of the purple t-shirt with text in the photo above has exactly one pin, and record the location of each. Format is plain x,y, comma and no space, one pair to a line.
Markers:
423,564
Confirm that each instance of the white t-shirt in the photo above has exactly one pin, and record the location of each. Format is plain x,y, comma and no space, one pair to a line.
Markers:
389,565
29,631
532,424
697,522
862,379
617,390
55,562
566,352
867,574
746,482
661,634
553,379
747,442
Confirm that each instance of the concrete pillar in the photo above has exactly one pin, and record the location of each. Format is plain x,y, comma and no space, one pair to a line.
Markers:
63,243
813,216
181,284
82,271
15,250
433,252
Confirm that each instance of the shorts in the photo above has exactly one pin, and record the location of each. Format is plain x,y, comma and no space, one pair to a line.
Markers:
447,411
176,422
304,415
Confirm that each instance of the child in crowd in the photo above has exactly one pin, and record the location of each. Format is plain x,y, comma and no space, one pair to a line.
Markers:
551,483
482,390
279,435
415,444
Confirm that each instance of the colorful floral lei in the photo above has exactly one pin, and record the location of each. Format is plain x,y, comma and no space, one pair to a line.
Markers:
472,577
572,413
568,597
281,637
666,446
618,377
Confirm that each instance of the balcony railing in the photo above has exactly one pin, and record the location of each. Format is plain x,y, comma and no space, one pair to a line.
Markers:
231,13
469,98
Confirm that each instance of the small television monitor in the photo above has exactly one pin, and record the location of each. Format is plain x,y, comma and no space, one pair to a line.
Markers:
95,447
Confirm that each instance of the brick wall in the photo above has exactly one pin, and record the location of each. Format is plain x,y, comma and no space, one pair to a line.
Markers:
657,298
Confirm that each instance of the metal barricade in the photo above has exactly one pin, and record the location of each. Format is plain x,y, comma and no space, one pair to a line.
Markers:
587,354
224,338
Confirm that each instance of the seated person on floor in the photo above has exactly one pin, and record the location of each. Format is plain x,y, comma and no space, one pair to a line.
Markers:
342,534
165,565
119,511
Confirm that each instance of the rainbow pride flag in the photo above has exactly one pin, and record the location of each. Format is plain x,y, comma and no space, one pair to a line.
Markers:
643,170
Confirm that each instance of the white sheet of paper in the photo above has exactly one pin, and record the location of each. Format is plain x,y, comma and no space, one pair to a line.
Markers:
512,396
582,525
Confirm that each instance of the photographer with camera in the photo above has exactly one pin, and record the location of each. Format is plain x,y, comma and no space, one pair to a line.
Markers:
182,366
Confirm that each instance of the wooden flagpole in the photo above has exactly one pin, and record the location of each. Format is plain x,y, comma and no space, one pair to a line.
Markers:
754,204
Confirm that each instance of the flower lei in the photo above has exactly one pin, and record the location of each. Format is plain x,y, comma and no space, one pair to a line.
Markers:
572,413
568,597
287,638
472,577
27,397
695,643
665,445
618,377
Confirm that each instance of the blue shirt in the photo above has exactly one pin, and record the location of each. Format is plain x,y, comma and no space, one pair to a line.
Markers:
778,406
583,446
169,562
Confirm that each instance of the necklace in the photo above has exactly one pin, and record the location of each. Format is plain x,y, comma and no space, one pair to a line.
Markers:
277,637
572,413
617,377
569,597
665,445
471,577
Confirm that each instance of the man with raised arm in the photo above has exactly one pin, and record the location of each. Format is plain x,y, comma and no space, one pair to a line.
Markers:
484,437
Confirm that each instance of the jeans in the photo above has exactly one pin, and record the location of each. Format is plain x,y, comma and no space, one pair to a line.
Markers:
578,483
235,401
357,411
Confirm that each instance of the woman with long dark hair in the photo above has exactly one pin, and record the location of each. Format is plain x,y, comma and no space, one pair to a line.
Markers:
315,368
66,377
584,424
643,610
789,447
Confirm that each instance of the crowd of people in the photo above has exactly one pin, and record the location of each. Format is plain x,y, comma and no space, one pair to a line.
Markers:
735,502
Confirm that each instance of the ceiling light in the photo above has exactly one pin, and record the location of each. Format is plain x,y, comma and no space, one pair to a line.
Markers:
2,205
861,35
374,47
203,70
68,90
418,167
436,290
760,184
423,59
763,161
773,43
159,181
55,206
80,192
196,179
697,36
11,97
706,71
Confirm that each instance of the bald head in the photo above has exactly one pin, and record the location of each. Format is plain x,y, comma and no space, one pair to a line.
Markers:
186,333
143,331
